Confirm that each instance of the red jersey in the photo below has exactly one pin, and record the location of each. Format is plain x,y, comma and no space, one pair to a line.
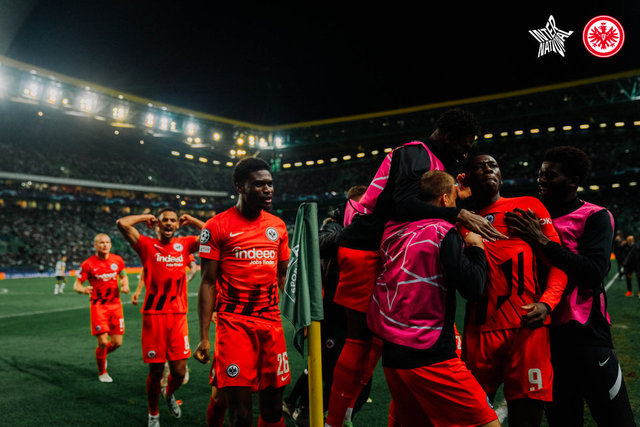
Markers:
103,276
165,276
248,252
516,275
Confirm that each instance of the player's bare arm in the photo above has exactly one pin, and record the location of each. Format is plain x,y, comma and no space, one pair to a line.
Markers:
206,300
138,291
77,286
282,273
126,225
124,282
187,219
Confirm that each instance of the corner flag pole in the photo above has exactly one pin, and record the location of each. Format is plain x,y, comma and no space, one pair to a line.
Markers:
314,360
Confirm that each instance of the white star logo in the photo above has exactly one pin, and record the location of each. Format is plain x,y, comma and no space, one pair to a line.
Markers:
551,38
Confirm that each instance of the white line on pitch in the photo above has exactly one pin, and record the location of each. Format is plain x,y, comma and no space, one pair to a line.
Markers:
613,279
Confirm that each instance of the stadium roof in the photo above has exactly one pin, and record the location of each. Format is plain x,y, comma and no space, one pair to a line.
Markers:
272,64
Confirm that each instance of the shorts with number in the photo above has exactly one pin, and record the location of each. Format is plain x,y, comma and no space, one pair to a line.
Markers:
165,336
107,318
250,352
358,274
519,358
440,394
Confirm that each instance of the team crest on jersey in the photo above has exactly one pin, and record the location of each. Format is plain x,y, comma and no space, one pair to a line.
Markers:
205,236
178,247
114,266
151,354
98,328
233,370
272,234
490,218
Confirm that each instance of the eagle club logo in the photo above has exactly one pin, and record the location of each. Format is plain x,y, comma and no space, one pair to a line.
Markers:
603,36
114,267
178,247
490,218
233,370
272,234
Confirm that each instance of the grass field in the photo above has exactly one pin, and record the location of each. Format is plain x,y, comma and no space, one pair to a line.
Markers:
48,373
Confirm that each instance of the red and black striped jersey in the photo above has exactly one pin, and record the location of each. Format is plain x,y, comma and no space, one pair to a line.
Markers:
103,277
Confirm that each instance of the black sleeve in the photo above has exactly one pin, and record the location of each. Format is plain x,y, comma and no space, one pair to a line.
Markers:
408,164
466,271
328,239
591,264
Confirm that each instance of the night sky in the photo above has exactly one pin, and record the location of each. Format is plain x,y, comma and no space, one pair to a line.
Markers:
275,63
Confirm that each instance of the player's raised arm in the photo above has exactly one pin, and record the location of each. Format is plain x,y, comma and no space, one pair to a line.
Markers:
187,219
77,286
206,300
126,226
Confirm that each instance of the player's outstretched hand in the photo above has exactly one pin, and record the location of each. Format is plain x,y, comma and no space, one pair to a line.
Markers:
479,225
537,314
202,352
526,225
135,297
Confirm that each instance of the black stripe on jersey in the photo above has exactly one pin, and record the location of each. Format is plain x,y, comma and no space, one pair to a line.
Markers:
180,284
160,302
149,303
521,273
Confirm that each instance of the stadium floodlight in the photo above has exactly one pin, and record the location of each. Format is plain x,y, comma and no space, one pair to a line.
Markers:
636,123
534,130
149,120
175,153
262,143
87,102
229,164
551,129
203,200
191,128
633,184
116,132
584,126
252,140
333,159
567,127
297,164
375,152
278,141
197,140
320,162
189,140
164,123
31,90
53,95
216,136
189,156
580,189
615,185
488,135
594,187
40,114
504,133
603,125
65,101
173,127
518,132
232,152
347,157
183,202
215,162
119,112
309,163
203,159
388,150
240,141
286,165
360,155
619,124
142,142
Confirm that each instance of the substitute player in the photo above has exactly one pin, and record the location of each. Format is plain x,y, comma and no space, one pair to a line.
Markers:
107,321
165,334
392,194
244,252
504,339
413,309
60,272
585,364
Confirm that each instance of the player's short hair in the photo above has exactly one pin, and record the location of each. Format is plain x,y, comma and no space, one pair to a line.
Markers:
246,166
166,209
356,191
433,184
458,122
99,236
573,161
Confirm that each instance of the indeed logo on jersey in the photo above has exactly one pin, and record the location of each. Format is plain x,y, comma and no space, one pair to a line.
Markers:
257,256
170,260
106,277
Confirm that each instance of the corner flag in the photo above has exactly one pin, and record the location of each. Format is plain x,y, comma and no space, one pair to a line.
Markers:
302,300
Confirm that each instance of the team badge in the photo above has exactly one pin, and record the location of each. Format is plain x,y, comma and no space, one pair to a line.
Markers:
205,236
151,354
98,328
114,267
329,343
233,370
272,234
178,247
603,36
490,218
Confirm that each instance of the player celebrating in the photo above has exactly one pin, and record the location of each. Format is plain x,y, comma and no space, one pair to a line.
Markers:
413,308
165,334
61,279
244,251
107,321
584,360
504,341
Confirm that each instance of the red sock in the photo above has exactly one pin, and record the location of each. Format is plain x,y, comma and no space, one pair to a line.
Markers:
263,423
346,379
153,394
172,385
375,351
215,413
101,360
110,347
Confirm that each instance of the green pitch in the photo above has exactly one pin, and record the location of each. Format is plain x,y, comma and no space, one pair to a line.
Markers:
49,377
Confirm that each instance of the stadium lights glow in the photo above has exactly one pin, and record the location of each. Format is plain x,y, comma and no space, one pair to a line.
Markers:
203,159
189,156
149,120
191,128
252,140
309,162
633,184
488,135
182,202
117,132
580,189
164,123
534,130
584,126
388,150
278,142
603,125
119,112
175,153
40,114
615,185
216,136
142,142
177,196
262,142
53,94
120,97
333,159
347,157
173,126
239,141
297,164
567,127
197,140
215,162
189,140
320,161
504,133
551,129
286,165
65,101
375,152
518,132
619,124
203,200
87,103
31,90
360,155
594,187
232,152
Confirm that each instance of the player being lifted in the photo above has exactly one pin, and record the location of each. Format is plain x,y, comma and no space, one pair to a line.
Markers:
505,338
244,254
165,334
585,364
107,321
